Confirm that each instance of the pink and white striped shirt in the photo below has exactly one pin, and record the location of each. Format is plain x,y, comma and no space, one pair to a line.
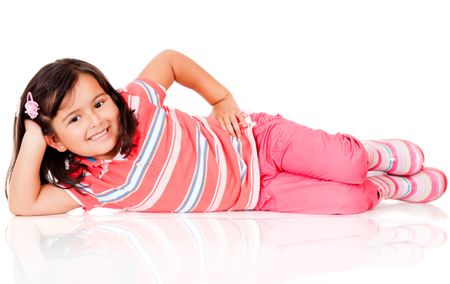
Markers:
181,163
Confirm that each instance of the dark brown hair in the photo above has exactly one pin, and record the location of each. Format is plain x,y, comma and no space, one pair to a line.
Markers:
49,87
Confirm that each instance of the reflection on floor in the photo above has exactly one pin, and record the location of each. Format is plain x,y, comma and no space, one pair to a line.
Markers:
228,247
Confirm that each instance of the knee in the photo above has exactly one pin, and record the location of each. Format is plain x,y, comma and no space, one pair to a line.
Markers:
356,162
357,199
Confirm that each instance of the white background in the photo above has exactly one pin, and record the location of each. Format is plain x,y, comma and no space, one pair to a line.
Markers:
374,69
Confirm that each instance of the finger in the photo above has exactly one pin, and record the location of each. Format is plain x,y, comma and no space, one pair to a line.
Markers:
236,127
222,123
242,121
242,116
229,126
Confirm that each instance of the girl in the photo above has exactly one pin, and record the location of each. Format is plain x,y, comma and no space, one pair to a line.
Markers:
80,142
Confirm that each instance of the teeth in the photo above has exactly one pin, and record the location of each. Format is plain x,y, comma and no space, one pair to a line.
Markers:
98,135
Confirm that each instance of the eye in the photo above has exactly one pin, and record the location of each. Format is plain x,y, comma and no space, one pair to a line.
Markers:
74,119
99,104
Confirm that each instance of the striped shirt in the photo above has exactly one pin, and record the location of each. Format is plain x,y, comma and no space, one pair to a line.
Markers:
180,163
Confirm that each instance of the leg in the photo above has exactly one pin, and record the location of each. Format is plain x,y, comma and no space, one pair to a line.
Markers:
288,192
424,186
394,156
297,149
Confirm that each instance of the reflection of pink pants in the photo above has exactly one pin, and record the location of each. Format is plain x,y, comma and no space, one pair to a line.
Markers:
310,171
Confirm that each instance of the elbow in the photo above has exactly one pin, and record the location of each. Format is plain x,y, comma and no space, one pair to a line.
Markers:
25,212
169,55
20,210
16,212
20,205
168,52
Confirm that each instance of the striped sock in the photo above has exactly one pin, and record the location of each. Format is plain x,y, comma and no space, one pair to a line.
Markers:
424,186
394,156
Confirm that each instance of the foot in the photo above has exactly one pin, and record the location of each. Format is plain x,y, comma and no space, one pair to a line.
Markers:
424,186
394,156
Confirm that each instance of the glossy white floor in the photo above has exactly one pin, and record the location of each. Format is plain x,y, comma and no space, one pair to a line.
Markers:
396,243
375,69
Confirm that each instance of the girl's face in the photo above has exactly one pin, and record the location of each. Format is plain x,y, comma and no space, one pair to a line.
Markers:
87,123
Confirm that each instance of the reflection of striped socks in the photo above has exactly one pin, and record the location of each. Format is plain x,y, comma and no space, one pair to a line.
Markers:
425,186
403,245
424,235
394,156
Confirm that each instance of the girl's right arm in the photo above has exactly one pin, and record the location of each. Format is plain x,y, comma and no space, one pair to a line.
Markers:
26,194
170,65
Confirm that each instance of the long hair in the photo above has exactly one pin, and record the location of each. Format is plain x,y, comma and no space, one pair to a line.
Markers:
49,87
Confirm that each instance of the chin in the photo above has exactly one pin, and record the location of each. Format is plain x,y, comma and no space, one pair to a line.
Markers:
112,152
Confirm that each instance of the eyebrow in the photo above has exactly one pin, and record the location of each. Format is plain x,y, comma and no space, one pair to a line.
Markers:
76,110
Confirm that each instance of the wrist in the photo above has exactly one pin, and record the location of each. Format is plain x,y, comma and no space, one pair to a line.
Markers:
35,138
226,96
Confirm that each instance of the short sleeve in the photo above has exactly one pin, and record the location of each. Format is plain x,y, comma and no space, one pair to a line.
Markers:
147,91
86,201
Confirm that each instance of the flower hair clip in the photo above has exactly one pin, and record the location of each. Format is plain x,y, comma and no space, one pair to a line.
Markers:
31,107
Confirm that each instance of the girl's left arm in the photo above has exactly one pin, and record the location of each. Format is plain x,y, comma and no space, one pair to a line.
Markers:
169,66
27,196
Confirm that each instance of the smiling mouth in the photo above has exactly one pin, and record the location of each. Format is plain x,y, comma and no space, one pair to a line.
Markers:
99,135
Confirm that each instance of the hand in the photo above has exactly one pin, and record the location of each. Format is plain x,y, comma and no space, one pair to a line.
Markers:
33,129
229,116
32,126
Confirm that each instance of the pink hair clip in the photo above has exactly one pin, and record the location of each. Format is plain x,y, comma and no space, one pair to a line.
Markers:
31,107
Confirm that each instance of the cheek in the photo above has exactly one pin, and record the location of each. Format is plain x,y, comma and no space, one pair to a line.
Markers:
72,134
115,115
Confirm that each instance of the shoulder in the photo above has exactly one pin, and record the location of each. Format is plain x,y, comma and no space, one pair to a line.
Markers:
144,88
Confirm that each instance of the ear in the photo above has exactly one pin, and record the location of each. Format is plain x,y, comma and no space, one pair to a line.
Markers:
54,142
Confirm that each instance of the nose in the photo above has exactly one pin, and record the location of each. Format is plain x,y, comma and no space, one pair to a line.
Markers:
94,119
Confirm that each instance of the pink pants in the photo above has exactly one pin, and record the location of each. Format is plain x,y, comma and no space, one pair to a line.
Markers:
310,171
